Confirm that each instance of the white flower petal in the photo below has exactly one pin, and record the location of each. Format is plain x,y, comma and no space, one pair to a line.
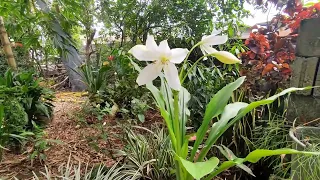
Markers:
141,53
171,74
151,43
203,52
203,38
214,40
226,57
178,55
149,73
164,48
207,49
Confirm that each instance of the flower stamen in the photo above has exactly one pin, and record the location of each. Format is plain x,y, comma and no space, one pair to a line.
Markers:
164,60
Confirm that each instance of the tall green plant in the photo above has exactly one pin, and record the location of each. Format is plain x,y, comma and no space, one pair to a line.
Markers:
36,100
95,76
203,82
23,100
120,89
172,100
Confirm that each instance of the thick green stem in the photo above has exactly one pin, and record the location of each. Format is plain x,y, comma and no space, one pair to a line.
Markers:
177,131
176,121
178,171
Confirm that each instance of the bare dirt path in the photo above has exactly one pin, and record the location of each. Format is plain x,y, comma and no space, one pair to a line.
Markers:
75,140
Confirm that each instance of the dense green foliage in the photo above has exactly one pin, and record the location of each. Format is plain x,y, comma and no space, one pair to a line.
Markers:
92,38
23,101
35,99
110,81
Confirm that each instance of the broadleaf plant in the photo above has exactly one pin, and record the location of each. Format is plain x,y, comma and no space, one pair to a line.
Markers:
172,100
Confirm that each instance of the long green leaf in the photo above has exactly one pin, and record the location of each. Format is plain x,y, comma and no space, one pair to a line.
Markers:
200,169
43,109
253,105
9,78
16,136
2,81
254,157
230,111
160,103
250,107
184,97
167,97
224,166
1,115
269,100
214,108
231,157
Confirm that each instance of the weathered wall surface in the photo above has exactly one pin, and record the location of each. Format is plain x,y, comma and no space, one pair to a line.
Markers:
308,42
305,105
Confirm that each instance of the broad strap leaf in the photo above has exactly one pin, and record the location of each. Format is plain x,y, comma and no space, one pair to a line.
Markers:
184,97
231,157
256,155
214,108
229,112
200,169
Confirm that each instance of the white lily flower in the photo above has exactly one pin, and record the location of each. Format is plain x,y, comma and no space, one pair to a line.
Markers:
223,56
226,57
211,40
163,58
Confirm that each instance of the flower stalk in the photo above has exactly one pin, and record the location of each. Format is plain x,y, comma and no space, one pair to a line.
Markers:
186,59
173,101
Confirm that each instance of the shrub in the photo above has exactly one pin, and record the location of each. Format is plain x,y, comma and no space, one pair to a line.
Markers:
36,100
110,81
23,101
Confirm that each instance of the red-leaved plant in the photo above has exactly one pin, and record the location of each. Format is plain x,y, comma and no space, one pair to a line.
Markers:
272,49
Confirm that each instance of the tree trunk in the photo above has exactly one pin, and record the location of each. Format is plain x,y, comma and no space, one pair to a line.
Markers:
68,52
7,45
88,44
122,38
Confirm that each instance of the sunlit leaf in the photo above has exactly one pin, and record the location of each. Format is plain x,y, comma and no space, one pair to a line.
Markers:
230,111
200,169
256,155
214,108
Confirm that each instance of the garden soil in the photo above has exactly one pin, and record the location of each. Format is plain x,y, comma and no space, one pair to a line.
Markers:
75,141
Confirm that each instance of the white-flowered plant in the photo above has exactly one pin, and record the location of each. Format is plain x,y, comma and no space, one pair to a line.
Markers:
224,56
172,101
208,41
163,58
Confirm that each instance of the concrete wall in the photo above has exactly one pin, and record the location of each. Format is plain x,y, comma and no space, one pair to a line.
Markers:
305,105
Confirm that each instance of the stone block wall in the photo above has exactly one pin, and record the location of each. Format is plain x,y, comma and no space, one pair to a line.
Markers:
305,105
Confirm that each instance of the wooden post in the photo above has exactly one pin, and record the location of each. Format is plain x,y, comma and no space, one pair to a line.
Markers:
7,45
